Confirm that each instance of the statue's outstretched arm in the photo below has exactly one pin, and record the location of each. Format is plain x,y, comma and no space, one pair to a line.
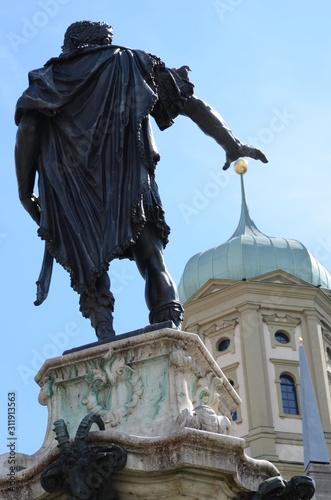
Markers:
26,153
212,124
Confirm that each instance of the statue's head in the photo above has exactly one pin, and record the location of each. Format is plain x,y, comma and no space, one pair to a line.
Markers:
86,34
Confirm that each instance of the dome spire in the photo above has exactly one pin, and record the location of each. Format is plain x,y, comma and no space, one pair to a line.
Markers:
249,253
246,226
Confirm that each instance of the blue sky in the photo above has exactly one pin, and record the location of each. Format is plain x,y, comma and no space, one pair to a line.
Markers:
265,66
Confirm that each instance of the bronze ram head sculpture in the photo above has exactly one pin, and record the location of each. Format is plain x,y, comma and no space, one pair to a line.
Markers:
84,473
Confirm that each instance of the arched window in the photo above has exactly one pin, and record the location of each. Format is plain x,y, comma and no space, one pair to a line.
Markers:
289,395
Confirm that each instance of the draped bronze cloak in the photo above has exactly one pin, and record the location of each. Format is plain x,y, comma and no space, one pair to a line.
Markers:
97,153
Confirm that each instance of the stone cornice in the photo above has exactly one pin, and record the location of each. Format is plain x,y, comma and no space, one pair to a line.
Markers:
192,452
281,320
240,288
288,298
283,362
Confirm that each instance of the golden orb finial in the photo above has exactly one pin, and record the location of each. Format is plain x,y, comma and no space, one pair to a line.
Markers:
241,166
300,341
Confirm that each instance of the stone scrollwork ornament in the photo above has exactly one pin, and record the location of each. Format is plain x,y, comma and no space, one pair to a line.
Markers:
106,378
83,472
204,418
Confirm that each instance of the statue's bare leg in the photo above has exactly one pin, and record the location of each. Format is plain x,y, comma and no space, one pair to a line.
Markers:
160,290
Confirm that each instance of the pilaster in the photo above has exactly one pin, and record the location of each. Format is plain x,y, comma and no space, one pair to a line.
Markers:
315,353
261,437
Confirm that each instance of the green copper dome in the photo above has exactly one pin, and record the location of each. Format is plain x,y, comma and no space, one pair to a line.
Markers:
250,253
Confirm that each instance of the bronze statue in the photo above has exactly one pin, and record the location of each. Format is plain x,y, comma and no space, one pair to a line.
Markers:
84,126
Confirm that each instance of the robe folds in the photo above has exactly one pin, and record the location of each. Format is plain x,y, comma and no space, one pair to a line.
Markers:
97,153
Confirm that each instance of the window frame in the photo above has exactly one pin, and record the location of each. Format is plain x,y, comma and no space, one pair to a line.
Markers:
290,368
231,374
289,384
218,332
286,325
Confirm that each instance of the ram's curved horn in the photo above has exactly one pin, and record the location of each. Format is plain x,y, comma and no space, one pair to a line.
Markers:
85,426
62,435
51,478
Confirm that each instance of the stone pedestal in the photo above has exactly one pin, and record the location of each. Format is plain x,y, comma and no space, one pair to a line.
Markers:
163,399
321,474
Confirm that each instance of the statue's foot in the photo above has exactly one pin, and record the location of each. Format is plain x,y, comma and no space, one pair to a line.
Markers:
167,311
99,308
104,330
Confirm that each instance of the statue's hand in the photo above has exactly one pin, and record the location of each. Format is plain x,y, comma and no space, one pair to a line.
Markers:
245,150
32,206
